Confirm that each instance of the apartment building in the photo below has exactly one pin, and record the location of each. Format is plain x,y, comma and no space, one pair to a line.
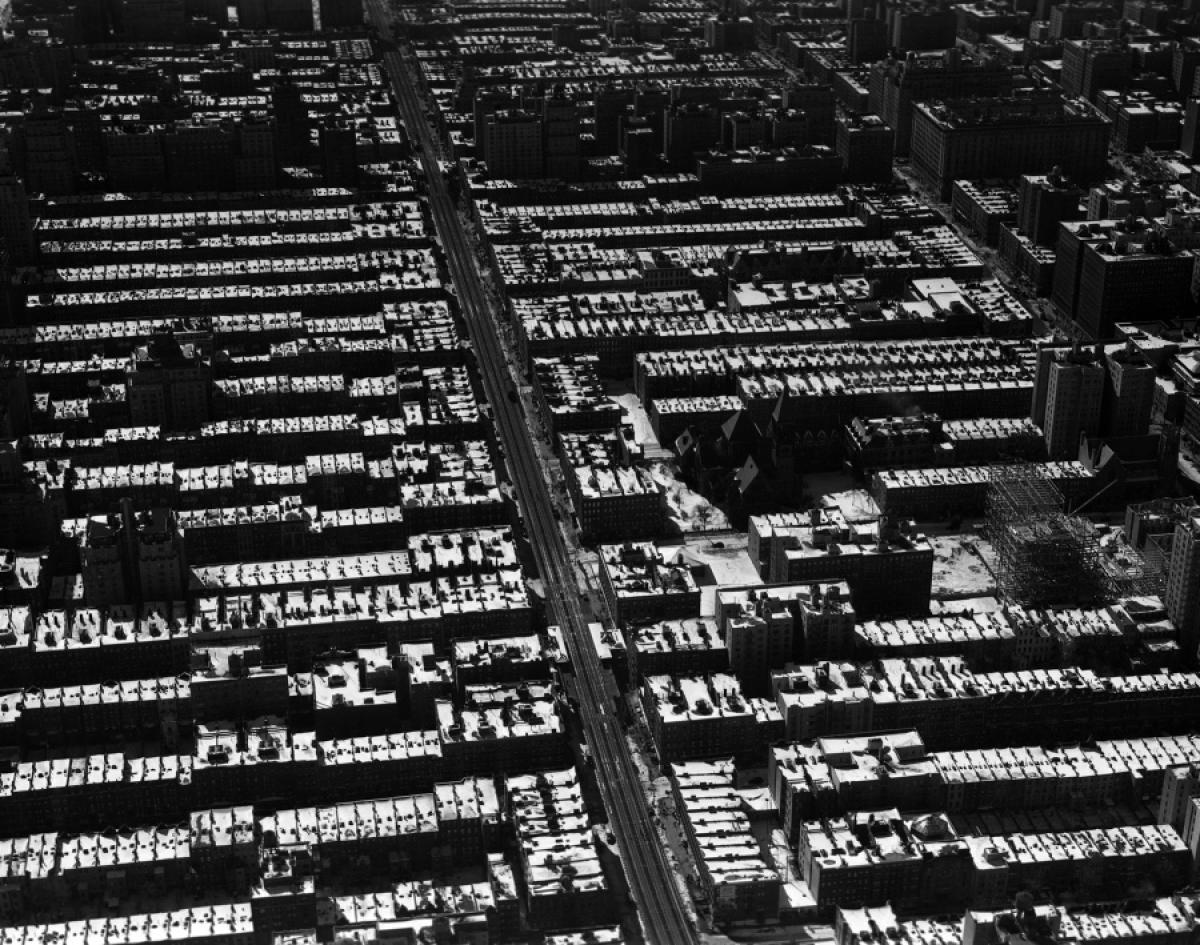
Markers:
960,139
736,879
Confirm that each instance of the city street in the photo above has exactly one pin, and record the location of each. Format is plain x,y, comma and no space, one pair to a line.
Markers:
650,875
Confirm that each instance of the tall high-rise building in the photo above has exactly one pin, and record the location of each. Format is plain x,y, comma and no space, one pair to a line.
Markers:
1089,65
921,26
1074,394
651,102
1126,281
817,102
49,155
103,557
289,15
1073,239
560,125
158,558
866,37
865,145
1185,62
1111,271
293,123
199,156
727,33
1045,201
975,139
741,130
760,640
152,19
169,385
1183,586
94,20
608,107
512,144
788,128
1180,785
34,64
252,14
15,413
215,11
1189,142
133,556
254,165
896,85
339,152
1068,20
1129,394
338,14
977,21
690,127
136,158
16,225
638,148
485,104
1046,354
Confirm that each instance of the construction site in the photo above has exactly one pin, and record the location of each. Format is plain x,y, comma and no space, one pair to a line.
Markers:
1048,557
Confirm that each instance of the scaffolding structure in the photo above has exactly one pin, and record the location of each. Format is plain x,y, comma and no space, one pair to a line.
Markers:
1128,573
1045,558
1150,530
1137,566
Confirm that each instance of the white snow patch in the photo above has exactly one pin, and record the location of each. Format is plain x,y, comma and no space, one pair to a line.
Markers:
962,566
689,510
635,414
